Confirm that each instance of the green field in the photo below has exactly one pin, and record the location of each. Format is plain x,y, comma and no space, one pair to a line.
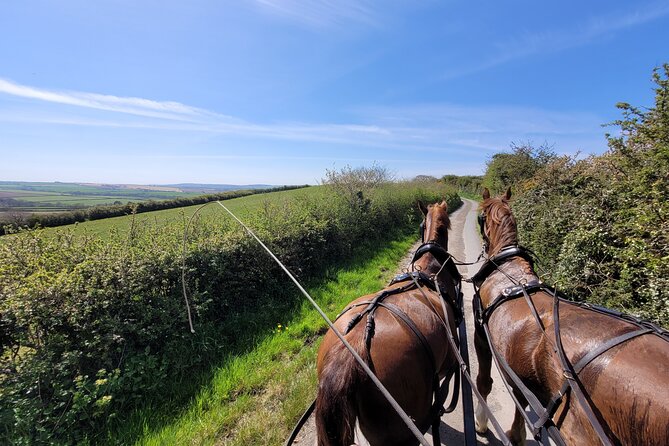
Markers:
241,207
35,197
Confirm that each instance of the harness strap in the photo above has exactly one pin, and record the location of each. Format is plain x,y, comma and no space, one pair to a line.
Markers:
495,261
371,304
440,392
535,406
508,294
464,370
584,361
441,255
572,378
422,279
456,345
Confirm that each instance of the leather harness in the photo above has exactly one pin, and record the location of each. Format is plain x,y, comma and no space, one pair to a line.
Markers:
415,279
544,426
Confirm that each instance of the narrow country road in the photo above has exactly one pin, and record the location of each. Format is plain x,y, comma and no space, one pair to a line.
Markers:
465,245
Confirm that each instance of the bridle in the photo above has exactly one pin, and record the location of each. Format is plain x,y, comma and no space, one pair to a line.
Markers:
486,241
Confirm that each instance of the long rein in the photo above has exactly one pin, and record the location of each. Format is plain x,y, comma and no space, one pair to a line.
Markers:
402,414
463,364
542,414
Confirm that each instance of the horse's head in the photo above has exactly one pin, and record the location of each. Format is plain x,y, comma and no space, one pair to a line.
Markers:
497,223
436,223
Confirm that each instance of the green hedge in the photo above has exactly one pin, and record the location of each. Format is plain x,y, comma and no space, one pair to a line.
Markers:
601,225
89,328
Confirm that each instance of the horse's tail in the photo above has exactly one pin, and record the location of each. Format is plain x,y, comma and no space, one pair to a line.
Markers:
336,407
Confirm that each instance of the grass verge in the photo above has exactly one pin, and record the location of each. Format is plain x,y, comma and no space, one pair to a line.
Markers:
256,397
470,195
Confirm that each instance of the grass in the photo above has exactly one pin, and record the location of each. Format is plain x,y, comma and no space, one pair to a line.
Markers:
242,207
256,397
470,195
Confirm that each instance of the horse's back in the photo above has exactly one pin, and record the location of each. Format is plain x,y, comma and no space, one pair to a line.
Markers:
628,383
633,392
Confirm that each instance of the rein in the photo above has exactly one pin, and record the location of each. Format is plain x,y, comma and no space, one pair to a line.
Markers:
402,414
544,426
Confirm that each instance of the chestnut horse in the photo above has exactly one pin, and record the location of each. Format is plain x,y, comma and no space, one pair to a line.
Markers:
403,342
602,376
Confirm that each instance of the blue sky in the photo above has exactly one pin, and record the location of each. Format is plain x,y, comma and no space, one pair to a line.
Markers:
278,91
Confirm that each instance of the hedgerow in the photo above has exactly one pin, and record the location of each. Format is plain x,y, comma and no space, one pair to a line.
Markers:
601,225
91,328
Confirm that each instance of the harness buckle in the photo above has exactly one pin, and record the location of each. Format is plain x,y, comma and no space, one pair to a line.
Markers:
568,375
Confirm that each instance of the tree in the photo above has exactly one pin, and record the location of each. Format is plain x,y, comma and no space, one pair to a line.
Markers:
353,184
509,169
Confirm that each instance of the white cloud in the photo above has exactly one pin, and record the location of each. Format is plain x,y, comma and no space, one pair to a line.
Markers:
442,128
129,105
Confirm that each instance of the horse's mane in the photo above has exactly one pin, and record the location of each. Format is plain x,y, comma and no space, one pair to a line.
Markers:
504,232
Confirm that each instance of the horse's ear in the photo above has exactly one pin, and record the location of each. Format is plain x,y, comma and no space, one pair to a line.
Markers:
486,193
507,196
422,207
444,204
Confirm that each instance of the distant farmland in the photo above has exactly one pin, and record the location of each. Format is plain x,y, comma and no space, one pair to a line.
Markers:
242,207
25,198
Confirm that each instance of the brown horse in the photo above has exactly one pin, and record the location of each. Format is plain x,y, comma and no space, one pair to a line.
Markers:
406,364
621,370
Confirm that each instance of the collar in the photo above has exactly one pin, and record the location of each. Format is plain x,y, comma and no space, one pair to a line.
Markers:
503,256
441,255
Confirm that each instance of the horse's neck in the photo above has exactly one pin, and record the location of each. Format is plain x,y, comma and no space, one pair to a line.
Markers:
508,274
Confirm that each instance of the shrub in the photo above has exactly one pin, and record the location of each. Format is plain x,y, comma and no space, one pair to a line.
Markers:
506,169
601,225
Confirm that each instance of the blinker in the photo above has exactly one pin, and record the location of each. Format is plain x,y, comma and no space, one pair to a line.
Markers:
481,219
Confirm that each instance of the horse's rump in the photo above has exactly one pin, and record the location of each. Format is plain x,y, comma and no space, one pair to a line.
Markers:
397,357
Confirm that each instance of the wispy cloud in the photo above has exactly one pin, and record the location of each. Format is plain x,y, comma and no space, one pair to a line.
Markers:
321,13
442,128
130,105
562,39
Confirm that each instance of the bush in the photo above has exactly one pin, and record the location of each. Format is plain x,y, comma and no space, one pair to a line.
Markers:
472,185
506,169
601,225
